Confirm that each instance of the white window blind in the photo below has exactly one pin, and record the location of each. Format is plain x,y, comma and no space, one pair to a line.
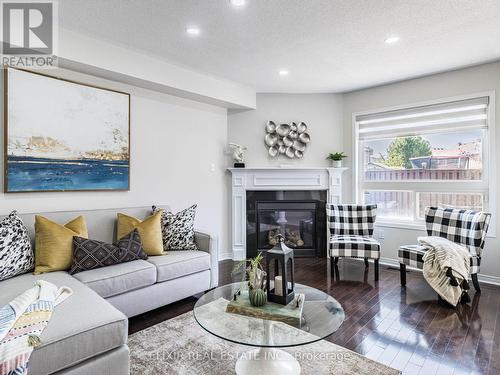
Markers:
452,116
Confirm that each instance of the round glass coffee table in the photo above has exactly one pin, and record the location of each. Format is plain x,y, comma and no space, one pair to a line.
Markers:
322,315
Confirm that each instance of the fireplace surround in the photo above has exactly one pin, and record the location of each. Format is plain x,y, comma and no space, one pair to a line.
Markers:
293,192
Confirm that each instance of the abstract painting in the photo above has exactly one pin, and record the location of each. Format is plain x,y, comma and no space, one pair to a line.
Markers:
64,136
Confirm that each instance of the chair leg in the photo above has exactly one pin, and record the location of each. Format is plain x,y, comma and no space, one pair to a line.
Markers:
333,265
334,269
376,269
475,281
366,262
402,273
336,273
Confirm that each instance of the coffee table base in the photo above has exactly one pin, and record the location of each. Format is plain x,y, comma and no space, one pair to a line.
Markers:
267,361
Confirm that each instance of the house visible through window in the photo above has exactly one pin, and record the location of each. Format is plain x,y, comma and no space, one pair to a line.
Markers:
433,155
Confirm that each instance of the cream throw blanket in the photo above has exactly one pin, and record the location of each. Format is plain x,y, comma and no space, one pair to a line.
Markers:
22,322
442,254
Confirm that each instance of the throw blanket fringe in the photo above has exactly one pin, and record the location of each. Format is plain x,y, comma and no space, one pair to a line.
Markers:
443,257
22,322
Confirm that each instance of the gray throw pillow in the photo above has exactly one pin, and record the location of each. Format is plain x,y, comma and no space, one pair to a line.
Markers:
91,254
16,254
178,229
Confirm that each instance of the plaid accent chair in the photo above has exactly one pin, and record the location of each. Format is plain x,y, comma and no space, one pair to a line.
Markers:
464,227
351,231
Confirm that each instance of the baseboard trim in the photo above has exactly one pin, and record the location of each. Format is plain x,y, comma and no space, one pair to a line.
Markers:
487,279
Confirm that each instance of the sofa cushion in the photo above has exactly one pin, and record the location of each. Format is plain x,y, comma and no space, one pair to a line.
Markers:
16,254
180,263
149,229
178,229
81,327
54,243
119,278
92,254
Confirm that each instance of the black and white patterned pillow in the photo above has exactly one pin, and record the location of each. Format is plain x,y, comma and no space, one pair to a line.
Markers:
16,254
178,229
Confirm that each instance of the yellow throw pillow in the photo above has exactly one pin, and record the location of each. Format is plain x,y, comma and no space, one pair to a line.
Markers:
54,243
149,230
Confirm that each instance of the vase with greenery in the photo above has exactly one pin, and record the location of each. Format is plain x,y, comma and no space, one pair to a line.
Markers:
336,159
255,276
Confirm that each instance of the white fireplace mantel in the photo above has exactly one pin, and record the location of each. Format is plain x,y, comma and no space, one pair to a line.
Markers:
252,179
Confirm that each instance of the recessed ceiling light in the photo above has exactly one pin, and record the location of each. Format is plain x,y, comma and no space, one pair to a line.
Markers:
193,30
238,3
392,39
283,72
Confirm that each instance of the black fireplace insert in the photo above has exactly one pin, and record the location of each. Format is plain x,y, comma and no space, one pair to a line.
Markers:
299,216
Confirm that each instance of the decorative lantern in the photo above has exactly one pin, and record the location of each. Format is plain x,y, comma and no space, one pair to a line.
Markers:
281,255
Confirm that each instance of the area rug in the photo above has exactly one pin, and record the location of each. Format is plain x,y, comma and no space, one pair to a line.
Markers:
180,346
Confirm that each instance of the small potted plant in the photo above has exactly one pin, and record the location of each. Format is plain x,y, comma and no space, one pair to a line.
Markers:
336,159
256,277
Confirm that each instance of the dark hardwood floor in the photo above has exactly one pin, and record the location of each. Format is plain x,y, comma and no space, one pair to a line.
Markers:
402,327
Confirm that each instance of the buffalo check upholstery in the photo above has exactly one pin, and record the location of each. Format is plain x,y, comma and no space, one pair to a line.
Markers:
464,227
348,219
351,231
413,256
354,247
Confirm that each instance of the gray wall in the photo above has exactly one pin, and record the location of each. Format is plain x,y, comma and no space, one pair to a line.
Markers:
465,81
321,112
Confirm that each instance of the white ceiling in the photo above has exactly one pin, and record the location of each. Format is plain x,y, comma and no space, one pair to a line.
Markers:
327,45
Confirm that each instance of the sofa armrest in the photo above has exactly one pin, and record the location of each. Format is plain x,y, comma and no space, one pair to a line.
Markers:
209,243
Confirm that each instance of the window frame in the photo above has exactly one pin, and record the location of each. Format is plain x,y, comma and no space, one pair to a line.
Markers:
486,185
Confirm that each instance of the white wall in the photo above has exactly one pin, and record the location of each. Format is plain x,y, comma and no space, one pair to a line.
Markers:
174,142
321,112
465,81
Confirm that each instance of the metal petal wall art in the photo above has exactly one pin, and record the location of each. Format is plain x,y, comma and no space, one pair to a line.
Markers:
290,139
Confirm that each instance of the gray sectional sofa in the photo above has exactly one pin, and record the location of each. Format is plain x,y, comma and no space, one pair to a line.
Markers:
88,332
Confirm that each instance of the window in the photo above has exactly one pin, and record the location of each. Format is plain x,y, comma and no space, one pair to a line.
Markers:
411,158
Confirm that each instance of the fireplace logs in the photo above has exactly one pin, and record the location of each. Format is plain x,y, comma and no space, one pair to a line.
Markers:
292,238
